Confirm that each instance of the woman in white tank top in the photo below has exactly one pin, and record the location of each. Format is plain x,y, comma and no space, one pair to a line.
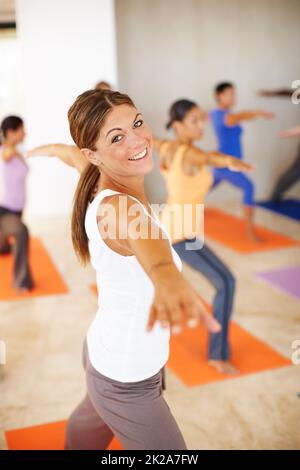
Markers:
119,345
142,293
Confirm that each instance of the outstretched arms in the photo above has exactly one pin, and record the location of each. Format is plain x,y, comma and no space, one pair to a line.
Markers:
232,119
69,154
195,156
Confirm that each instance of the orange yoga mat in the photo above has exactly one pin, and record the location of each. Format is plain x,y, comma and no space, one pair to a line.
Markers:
48,436
231,232
47,279
188,353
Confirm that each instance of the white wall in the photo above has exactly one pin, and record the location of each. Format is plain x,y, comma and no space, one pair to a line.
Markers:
67,46
11,97
170,49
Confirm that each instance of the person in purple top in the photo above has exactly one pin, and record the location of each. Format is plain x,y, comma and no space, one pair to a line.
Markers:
228,131
13,173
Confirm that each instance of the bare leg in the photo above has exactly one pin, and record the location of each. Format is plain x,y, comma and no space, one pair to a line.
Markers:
251,233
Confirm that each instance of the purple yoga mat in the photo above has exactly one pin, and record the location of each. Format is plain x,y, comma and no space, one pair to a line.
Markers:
287,279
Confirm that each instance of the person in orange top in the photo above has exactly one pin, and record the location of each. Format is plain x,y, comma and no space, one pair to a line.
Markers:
188,179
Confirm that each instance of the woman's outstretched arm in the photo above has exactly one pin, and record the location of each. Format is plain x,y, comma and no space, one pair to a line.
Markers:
293,132
232,119
217,159
69,154
197,157
175,301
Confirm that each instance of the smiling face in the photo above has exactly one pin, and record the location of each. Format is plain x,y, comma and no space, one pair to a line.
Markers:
124,145
191,127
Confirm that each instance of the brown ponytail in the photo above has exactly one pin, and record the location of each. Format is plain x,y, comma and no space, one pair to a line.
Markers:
86,118
83,195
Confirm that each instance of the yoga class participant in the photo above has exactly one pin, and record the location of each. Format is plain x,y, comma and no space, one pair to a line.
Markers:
188,180
143,293
228,129
13,174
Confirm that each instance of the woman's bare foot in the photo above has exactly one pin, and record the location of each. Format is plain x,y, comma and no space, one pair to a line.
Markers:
224,367
253,237
251,232
22,290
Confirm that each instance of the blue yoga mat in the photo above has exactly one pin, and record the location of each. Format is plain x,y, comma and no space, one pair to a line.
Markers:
288,207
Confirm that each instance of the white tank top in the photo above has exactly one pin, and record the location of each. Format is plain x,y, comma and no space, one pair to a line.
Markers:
118,344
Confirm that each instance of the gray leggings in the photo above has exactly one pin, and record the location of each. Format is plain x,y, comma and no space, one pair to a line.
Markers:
11,225
135,412
287,179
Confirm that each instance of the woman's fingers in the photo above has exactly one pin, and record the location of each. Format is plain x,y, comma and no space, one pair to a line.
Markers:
191,310
199,312
269,115
242,166
249,166
187,308
162,315
175,318
205,316
210,322
152,318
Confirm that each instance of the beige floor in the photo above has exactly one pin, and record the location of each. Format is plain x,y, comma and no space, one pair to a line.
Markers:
44,380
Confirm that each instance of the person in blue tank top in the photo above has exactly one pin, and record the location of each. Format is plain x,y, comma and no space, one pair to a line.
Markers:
228,132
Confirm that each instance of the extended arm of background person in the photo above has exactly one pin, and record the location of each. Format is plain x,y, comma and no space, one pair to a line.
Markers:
196,156
69,154
175,300
293,132
9,152
286,92
231,119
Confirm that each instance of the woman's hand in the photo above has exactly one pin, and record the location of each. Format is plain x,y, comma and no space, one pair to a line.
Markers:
266,114
294,132
235,164
176,303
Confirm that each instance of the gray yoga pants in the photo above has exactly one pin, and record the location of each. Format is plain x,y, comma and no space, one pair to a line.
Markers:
135,412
